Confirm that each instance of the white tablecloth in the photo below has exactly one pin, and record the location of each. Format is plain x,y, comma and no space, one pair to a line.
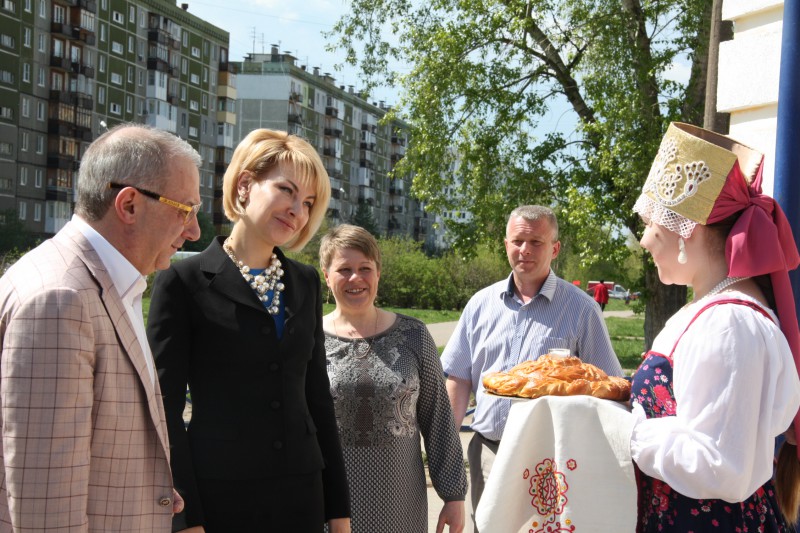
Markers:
563,465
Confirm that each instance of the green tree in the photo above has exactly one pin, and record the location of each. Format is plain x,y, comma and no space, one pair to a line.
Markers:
481,79
363,217
14,236
207,234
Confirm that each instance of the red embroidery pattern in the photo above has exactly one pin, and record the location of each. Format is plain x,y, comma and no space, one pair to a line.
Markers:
549,487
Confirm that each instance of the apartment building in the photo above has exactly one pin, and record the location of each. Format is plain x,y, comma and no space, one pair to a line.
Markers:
69,69
358,151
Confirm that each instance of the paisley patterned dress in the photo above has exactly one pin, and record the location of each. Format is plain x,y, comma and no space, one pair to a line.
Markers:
388,391
662,509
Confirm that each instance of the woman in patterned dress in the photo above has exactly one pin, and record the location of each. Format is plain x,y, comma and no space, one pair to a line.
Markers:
388,388
720,382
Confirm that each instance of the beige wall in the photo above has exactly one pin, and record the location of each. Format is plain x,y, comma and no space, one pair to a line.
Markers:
749,68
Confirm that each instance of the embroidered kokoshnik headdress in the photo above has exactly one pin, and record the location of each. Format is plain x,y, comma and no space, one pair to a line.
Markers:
702,177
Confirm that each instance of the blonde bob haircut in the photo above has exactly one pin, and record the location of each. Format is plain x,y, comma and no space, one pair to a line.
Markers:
348,237
260,152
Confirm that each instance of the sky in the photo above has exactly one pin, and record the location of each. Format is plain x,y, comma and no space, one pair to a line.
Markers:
296,26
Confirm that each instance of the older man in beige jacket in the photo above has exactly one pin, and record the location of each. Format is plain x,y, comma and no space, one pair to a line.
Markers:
84,441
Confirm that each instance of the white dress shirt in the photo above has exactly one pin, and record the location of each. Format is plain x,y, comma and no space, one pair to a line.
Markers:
128,281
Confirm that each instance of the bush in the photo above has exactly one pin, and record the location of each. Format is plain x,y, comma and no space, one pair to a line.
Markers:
411,279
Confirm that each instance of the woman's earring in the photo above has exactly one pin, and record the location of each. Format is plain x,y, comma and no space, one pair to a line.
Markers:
682,253
242,199
328,297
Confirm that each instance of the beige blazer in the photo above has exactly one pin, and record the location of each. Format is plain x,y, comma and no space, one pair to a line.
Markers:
84,440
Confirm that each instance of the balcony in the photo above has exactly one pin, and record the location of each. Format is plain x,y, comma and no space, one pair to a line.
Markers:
87,71
395,158
331,111
61,28
296,97
58,194
396,189
64,162
88,5
85,102
83,35
395,208
62,63
295,118
156,63
60,128
63,97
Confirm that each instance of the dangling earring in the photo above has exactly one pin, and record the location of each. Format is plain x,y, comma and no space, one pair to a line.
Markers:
682,253
328,297
242,200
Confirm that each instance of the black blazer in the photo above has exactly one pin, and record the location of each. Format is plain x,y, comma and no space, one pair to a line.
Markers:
261,407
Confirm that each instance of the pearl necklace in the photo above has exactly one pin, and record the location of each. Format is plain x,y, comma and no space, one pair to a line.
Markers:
269,280
362,348
722,285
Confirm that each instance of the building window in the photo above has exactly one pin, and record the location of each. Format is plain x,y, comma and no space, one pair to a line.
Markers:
132,14
114,108
24,141
192,131
193,105
42,42
142,18
6,112
102,63
41,78
118,17
129,104
205,101
117,48
195,51
26,107
39,144
28,6
116,78
23,210
38,178
26,38
101,95
6,148
23,176
205,74
185,38
102,32
104,5
195,79
6,76
184,65
140,51
183,120
26,72
40,111
43,9
183,93
130,74
141,78
7,41
37,212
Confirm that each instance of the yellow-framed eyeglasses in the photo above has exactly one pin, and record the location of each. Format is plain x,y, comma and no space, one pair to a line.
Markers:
190,210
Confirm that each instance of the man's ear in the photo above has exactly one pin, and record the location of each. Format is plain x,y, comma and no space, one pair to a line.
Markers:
556,249
126,205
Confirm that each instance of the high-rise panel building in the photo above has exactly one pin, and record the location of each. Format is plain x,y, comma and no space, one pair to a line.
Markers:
69,69
357,148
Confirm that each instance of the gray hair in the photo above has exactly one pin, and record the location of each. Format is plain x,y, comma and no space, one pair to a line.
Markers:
532,213
130,154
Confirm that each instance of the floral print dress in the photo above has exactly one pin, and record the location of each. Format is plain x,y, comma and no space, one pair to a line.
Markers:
663,509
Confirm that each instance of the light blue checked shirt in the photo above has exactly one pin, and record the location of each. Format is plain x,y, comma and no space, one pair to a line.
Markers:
497,331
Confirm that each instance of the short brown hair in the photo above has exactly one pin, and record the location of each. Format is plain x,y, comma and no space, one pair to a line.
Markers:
261,151
347,236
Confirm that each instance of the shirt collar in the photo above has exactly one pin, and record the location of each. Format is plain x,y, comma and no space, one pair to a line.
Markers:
548,289
128,281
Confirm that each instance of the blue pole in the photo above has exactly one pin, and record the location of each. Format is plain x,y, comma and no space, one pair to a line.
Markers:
787,141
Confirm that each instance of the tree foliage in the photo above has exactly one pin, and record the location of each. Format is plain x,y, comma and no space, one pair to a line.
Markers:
207,234
485,78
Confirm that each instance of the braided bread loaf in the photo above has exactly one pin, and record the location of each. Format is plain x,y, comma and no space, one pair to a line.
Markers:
556,376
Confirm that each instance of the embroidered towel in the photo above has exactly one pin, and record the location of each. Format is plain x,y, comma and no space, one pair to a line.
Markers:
564,464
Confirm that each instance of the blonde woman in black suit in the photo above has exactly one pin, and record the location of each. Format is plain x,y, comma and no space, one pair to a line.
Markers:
241,325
